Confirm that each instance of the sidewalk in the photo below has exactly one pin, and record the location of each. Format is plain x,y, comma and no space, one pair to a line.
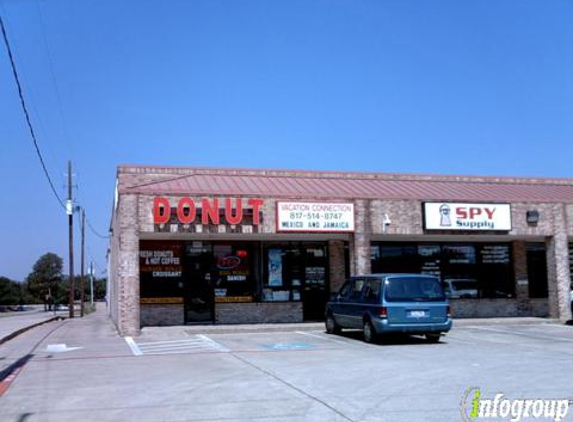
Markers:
313,326
16,323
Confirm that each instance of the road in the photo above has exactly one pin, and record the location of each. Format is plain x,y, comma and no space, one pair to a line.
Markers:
291,375
11,323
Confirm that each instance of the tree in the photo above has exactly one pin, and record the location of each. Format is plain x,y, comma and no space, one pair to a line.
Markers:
99,288
10,292
45,276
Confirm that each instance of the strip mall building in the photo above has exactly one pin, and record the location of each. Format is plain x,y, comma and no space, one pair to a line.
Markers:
225,246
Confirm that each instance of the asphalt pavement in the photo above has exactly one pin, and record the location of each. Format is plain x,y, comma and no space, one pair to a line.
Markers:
15,323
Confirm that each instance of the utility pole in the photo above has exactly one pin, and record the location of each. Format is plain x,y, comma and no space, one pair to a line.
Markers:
82,288
70,212
92,283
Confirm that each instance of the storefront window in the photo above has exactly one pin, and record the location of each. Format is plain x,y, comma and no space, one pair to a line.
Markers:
284,279
394,258
294,271
467,270
430,257
537,270
231,274
495,274
161,272
459,271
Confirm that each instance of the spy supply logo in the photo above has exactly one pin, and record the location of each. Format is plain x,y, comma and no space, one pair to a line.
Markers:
475,407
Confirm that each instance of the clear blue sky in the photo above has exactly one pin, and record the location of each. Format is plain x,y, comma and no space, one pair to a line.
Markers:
450,87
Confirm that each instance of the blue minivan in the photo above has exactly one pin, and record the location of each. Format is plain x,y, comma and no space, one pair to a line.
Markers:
391,303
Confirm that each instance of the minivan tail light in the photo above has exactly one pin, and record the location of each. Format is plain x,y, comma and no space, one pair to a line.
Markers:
449,311
383,312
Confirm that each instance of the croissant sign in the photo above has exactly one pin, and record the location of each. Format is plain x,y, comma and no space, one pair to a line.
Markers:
232,210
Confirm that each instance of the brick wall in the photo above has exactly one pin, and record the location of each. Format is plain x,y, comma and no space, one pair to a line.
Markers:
256,313
127,276
558,267
489,308
113,273
161,315
405,217
361,243
337,265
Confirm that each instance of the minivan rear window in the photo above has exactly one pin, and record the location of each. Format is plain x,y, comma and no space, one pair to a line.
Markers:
413,289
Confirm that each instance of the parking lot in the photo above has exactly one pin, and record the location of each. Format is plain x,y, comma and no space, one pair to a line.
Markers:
293,374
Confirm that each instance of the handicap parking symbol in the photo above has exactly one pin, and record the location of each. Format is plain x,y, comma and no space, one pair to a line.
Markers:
288,346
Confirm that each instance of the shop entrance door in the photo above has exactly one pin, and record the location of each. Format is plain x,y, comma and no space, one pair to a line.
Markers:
315,289
198,301
298,272
197,288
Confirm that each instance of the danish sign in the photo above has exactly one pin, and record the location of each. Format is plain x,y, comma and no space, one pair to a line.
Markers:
465,216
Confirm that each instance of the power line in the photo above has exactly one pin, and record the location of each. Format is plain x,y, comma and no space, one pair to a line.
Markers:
51,69
90,226
94,231
26,114
87,245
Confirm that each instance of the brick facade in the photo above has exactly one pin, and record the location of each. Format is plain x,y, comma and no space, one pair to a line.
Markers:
258,313
376,219
161,314
127,276
337,264
558,267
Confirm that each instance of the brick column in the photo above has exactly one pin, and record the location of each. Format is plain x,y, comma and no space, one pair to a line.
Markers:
351,256
361,244
519,253
558,267
336,264
128,273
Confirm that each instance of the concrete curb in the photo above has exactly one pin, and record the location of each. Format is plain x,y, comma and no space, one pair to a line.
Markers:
28,327
311,326
469,322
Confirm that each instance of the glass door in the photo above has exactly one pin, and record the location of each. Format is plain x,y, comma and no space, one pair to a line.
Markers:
315,290
198,290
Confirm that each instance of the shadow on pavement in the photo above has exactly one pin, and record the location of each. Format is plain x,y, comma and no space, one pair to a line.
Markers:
389,339
11,368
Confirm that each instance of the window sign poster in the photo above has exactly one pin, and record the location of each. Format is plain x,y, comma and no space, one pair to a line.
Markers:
315,275
275,267
430,259
161,260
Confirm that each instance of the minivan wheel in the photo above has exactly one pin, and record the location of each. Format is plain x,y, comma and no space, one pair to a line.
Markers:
331,326
369,332
433,337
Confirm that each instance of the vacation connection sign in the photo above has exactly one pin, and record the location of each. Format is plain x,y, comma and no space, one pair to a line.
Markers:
315,217
467,216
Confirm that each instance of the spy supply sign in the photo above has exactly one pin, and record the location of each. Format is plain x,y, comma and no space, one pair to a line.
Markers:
466,216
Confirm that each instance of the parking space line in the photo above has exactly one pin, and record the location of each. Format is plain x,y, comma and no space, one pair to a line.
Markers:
553,325
133,346
522,334
201,343
322,337
168,342
173,347
213,343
